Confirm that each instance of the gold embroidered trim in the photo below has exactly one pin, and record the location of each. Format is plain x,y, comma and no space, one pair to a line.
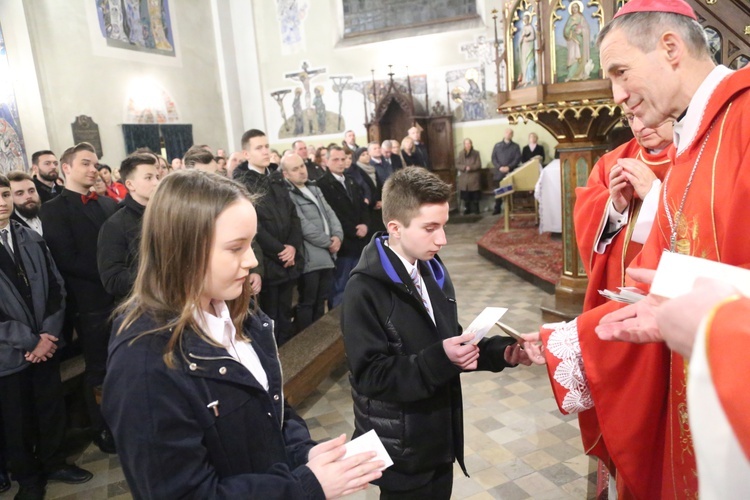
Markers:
640,157
713,182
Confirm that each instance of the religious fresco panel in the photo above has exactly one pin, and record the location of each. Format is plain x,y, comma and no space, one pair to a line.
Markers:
575,28
291,15
12,147
139,25
471,100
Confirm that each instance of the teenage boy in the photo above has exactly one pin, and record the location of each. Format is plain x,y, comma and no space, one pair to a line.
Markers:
120,235
404,343
32,311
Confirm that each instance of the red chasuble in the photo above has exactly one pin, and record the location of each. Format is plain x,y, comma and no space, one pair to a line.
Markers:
639,391
607,270
727,345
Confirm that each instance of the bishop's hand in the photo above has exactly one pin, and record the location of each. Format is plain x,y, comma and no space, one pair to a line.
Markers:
620,189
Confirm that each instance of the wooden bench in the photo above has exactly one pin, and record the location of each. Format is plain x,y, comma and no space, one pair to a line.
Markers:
311,356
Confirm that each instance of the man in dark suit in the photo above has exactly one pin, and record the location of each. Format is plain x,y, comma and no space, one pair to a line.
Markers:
32,403
420,149
279,232
26,201
71,224
389,150
44,164
314,171
350,141
345,198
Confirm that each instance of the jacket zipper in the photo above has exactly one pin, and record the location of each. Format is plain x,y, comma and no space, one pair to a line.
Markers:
204,358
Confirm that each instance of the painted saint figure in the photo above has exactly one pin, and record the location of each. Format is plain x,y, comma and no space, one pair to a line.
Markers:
473,105
577,34
320,109
299,118
527,75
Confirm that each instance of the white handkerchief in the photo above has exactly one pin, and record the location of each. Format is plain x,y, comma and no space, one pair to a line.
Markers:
482,323
677,273
369,441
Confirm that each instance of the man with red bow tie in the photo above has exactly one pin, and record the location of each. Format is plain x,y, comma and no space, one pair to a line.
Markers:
71,224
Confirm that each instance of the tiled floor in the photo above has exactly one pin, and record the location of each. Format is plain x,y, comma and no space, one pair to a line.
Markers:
518,445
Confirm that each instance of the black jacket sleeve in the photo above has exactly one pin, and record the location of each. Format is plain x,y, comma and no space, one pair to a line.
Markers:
112,260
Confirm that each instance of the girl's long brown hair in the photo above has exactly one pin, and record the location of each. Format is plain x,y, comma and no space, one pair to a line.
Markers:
177,235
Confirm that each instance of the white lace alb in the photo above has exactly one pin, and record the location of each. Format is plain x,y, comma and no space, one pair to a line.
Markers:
563,344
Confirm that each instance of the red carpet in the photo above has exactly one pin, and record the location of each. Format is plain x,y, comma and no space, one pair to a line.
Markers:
535,257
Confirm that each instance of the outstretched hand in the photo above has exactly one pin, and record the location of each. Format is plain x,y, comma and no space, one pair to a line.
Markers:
516,355
680,318
533,348
637,322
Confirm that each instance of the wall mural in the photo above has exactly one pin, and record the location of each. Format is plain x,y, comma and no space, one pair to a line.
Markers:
291,15
575,56
468,90
140,25
309,114
473,90
12,148
151,105
315,107
525,45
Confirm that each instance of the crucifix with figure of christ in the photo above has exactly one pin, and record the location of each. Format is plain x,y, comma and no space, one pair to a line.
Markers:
304,77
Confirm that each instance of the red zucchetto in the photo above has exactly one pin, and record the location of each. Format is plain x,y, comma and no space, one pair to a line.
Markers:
672,6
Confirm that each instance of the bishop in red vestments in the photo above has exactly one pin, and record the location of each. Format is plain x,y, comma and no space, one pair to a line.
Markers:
655,55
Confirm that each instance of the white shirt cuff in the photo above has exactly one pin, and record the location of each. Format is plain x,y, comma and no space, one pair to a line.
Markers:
615,222
647,214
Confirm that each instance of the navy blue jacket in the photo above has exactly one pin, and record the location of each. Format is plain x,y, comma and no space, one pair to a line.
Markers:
173,445
403,384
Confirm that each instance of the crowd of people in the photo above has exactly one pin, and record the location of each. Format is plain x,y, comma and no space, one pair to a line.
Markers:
176,283
77,225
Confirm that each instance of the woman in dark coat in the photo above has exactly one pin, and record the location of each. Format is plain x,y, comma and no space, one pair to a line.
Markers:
194,393
469,164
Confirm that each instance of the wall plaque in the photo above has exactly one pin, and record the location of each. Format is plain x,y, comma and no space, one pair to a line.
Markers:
85,130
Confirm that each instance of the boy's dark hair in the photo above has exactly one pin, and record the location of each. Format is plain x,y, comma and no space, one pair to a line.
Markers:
250,134
130,163
18,176
104,166
70,154
35,157
410,188
4,182
197,155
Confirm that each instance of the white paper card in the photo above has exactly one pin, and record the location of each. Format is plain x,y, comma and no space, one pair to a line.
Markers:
677,273
369,441
482,323
627,295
